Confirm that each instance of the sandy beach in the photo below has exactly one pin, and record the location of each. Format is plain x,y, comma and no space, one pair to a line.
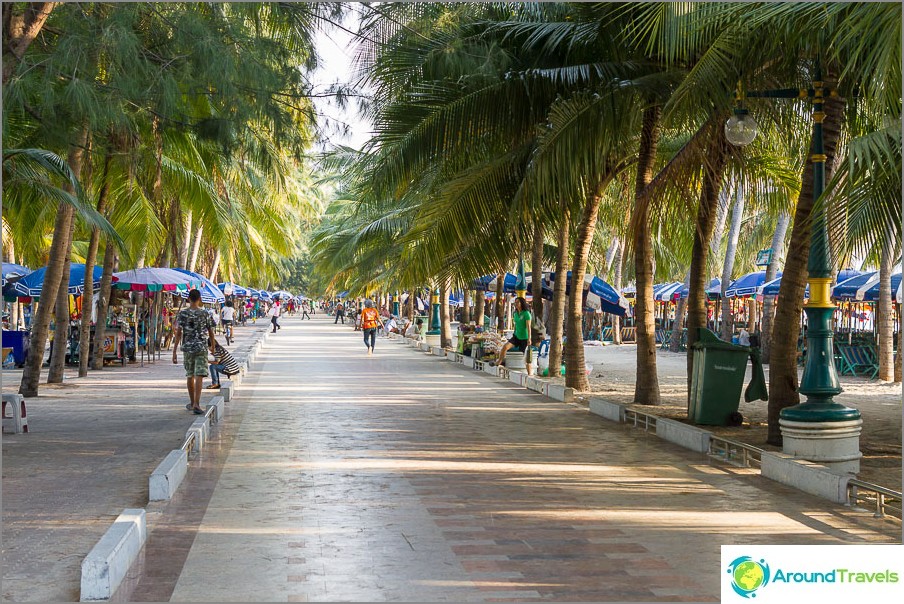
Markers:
613,378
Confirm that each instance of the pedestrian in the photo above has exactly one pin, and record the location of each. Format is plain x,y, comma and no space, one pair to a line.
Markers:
520,340
340,313
227,319
194,328
273,313
370,319
304,312
222,362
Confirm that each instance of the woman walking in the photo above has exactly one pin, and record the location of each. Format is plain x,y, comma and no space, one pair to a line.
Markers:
370,319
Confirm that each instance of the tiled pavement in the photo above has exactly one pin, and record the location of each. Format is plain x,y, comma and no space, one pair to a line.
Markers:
342,477
91,445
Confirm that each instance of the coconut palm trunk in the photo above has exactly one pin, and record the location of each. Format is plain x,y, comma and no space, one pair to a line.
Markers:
886,325
59,252
707,217
783,366
617,284
466,306
479,304
678,323
734,231
575,376
84,340
536,277
557,312
778,245
646,387
445,338
500,301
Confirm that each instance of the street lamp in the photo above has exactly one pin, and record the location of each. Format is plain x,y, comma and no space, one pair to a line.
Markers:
819,429
434,336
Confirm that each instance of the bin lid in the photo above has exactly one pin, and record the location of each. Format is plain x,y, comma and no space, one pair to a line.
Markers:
709,340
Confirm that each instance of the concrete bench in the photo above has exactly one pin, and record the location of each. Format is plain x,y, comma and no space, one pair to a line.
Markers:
18,421
107,564
167,477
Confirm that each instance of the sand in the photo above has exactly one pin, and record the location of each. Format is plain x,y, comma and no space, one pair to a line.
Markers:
613,378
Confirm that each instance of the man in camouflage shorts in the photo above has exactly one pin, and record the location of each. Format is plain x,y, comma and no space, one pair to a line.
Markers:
194,328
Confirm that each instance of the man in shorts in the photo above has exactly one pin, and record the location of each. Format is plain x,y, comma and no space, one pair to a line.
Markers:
194,328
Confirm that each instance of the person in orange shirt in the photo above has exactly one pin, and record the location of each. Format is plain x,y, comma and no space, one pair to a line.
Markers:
370,320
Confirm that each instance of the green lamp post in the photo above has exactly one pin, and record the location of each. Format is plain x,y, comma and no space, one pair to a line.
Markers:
819,429
395,304
433,336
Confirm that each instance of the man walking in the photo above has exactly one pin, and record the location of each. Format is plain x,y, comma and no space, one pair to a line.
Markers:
273,313
340,313
194,328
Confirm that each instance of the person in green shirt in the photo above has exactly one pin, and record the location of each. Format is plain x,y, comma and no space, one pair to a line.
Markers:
520,340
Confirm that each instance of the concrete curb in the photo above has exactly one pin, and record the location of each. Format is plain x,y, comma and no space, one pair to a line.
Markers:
807,476
107,564
167,477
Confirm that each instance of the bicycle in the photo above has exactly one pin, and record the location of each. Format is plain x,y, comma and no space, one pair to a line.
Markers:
227,332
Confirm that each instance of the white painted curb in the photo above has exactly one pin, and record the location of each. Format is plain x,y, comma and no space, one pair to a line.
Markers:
105,566
167,477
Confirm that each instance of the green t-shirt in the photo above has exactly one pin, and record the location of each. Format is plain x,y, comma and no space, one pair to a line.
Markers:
521,320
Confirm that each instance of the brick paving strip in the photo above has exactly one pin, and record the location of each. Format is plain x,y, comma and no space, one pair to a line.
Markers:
93,443
401,477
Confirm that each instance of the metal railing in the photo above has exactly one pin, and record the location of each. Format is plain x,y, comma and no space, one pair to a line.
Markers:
188,445
734,452
880,499
638,418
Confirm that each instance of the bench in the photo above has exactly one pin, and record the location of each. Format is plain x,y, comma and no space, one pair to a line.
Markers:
19,419
857,360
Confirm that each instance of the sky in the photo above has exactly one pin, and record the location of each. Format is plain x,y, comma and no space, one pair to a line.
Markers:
336,49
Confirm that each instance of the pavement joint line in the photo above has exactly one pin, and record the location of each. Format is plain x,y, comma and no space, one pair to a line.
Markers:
799,474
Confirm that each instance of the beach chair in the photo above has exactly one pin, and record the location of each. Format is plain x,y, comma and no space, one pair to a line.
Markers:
857,360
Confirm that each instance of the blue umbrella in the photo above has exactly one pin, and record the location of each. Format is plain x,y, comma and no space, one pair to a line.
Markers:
869,291
546,292
487,283
598,295
772,287
231,289
664,292
11,271
714,287
746,285
31,285
264,295
847,289
342,294
210,293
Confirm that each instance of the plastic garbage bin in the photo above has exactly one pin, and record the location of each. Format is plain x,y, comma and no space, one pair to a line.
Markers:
19,342
717,379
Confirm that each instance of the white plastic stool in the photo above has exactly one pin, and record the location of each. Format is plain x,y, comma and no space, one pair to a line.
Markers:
19,419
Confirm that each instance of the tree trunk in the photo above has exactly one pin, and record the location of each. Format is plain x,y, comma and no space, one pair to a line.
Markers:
783,366
479,305
617,284
19,31
466,306
778,248
59,253
500,301
216,267
195,248
445,337
734,231
646,388
557,312
536,278
61,317
187,241
678,323
886,325
611,251
103,303
575,375
708,212
84,340
899,359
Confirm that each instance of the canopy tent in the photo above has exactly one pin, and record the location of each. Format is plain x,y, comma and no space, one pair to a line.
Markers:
31,284
154,280
13,271
210,293
599,295
713,290
771,288
747,285
665,292
487,283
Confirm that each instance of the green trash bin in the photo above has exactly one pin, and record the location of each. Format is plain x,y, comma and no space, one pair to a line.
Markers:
717,379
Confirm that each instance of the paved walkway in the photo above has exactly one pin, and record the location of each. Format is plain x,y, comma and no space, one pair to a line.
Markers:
339,476
91,446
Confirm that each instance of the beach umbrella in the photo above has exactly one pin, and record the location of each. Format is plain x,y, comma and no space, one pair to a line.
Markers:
598,295
210,293
151,279
847,289
664,292
14,271
487,283
546,292
282,294
746,285
629,292
31,284
714,287
342,294
231,289
265,295
771,288
869,291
